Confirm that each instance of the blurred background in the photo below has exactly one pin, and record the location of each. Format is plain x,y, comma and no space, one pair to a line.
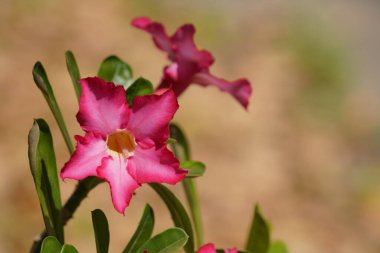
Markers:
307,150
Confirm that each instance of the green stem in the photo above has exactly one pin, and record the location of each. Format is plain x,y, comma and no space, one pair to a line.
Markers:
80,193
192,198
189,186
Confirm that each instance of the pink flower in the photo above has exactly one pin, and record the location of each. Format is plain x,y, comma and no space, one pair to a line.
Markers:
122,145
189,65
210,248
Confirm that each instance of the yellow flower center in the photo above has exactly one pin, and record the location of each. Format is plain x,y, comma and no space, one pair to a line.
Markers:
121,143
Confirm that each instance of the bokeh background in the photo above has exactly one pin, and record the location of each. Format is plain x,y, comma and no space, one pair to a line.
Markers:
307,150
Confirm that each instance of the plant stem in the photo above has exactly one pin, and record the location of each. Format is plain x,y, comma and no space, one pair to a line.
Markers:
192,198
80,193
181,150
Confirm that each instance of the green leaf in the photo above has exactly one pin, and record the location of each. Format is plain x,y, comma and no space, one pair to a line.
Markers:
44,170
113,69
42,82
169,241
143,231
181,148
259,235
140,87
51,245
278,247
67,248
177,212
102,234
171,141
73,69
195,168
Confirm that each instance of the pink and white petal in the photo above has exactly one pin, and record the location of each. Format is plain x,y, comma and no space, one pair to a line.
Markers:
86,158
151,115
233,250
153,165
102,107
207,248
114,171
240,89
157,31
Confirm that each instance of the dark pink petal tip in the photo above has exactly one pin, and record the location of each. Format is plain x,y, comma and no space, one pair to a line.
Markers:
207,248
243,92
141,22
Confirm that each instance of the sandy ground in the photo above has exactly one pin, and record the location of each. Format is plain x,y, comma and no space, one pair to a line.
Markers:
316,179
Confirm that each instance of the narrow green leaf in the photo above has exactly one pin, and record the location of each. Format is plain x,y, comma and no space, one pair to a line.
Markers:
113,69
73,69
278,247
143,231
140,87
42,82
259,235
177,212
67,248
44,170
195,168
51,245
181,148
169,241
102,234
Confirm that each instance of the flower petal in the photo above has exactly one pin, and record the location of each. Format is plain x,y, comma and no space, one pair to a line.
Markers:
151,165
86,158
103,107
185,49
114,171
240,89
157,31
151,115
207,248
233,250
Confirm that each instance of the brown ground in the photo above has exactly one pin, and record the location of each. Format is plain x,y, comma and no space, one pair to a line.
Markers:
307,150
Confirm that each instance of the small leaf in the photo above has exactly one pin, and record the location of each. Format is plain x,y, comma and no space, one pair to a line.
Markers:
140,87
44,170
195,168
102,234
278,247
169,241
181,148
113,69
67,248
259,235
171,141
73,69
42,82
178,213
51,245
143,231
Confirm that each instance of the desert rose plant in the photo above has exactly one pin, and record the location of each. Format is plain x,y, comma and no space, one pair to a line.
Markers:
129,140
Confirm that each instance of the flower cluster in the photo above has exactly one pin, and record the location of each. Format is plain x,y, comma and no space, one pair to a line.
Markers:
125,141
